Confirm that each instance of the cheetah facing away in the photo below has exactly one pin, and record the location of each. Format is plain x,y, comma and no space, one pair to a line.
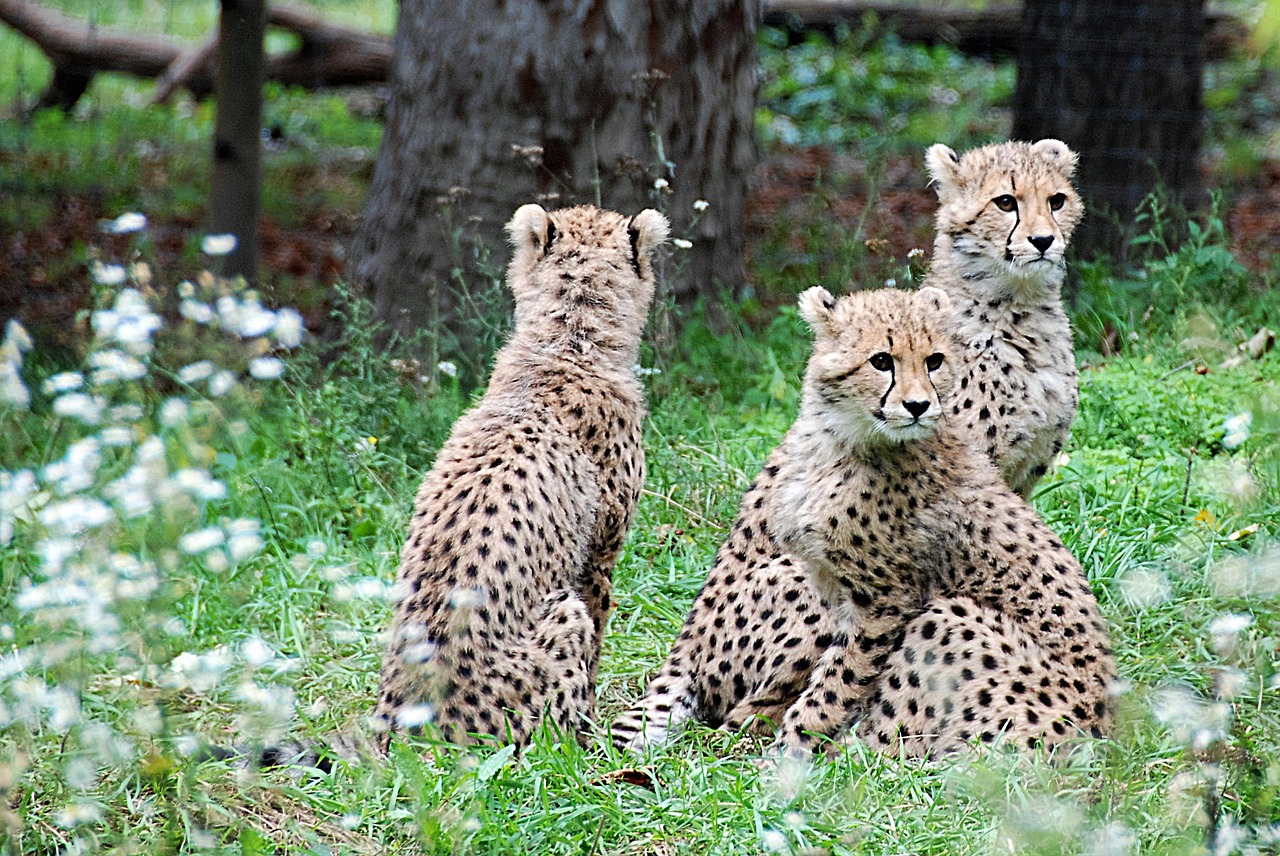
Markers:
960,615
757,626
505,579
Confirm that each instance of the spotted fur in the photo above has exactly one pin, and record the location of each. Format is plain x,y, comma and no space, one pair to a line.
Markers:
757,626
960,616
1005,217
505,579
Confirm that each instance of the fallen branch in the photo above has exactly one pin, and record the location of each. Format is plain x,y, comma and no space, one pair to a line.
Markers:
327,55
993,30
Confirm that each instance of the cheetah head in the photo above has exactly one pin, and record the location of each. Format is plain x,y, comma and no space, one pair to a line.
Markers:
1007,208
879,361
584,273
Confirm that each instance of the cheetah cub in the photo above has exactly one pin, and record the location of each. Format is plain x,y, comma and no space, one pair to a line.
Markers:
1005,216
505,579
961,616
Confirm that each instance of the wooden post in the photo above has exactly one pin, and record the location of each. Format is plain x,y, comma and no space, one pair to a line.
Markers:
235,186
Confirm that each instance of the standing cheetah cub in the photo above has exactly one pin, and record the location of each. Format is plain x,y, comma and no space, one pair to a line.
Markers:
505,579
1005,216
961,615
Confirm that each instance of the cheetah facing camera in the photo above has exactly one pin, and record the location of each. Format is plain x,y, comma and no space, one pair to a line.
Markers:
1006,214
960,615
505,580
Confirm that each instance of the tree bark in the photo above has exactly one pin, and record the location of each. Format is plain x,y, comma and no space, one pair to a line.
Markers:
495,104
235,184
1120,82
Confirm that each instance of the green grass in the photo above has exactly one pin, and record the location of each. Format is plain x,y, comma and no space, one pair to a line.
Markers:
105,765
96,730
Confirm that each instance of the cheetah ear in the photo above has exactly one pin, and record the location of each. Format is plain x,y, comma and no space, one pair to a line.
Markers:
1058,153
530,230
649,230
816,306
936,298
944,166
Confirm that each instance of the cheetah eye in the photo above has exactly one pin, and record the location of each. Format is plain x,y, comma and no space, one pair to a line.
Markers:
1057,200
881,362
933,362
1005,202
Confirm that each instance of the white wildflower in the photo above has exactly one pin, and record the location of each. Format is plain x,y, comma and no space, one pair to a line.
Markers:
126,224
773,841
198,484
1143,588
79,406
54,553
317,548
116,435
682,243
112,365
1236,430
415,715
891,282
195,310
196,372
700,205
78,813
186,290
12,390
77,468
1230,624
218,245
289,328
200,672
247,319
1189,718
266,368
108,275
661,184
174,412
126,413
243,540
129,321
447,368
63,382
16,492
201,540
221,383
75,515
255,652
915,253
16,338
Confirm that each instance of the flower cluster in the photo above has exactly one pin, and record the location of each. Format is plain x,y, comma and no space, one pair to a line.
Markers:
107,527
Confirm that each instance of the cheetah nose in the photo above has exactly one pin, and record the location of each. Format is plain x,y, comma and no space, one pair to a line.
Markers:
1041,242
916,408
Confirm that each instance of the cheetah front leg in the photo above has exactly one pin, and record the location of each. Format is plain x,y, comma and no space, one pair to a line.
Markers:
842,683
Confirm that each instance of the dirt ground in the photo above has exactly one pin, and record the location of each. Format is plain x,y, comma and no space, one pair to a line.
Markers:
45,282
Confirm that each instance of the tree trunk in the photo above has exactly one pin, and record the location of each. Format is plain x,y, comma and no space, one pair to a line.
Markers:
1120,82
237,145
495,104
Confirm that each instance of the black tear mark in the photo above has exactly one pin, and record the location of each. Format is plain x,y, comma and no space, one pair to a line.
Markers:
551,236
1017,218
893,381
635,247
1013,182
